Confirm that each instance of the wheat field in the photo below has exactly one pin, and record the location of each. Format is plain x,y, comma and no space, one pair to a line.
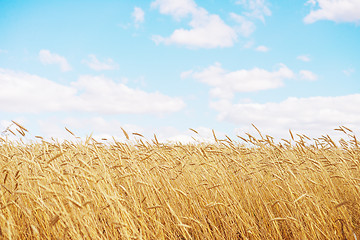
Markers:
249,188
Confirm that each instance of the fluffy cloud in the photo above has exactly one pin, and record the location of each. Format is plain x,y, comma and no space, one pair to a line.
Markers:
246,27
224,83
307,75
206,30
209,30
176,8
314,116
22,92
334,10
304,58
138,15
46,57
96,65
256,8
104,95
262,49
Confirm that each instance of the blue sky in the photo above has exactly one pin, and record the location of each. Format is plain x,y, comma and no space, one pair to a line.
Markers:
165,66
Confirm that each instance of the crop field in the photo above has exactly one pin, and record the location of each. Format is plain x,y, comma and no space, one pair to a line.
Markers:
244,188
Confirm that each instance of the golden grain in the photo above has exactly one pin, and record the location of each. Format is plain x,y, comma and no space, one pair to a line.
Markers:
253,189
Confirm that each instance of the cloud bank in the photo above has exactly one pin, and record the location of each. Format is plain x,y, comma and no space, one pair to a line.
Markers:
206,30
334,10
225,83
23,92
313,115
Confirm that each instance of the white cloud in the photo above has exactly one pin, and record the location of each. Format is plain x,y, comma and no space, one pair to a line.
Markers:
46,57
23,92
104,95
3,51
176,8
256,8
262,49
304,58
224,83
349,71
335,10
246,27
314,116
96,65
138,15
206,30
308,75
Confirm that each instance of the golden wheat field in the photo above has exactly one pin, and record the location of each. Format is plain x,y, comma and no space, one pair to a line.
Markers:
249,188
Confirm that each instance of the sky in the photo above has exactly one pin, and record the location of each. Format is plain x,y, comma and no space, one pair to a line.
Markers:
164,66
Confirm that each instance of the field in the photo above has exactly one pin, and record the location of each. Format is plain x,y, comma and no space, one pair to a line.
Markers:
249,188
